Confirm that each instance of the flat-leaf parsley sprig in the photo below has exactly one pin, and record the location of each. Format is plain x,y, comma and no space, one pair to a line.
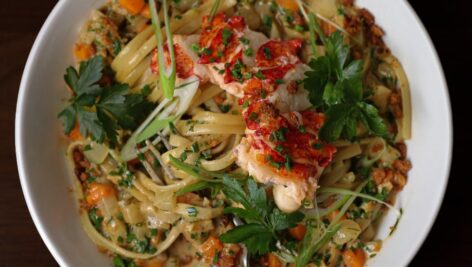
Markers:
100,111
263,219
335,86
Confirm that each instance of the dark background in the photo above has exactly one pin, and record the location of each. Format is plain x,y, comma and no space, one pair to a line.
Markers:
450,27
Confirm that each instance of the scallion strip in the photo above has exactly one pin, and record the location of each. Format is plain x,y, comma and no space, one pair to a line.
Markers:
356,194
166,78
311,20
311,28
213,10
191,170
312,213
198,171
348,203
312,246
193,187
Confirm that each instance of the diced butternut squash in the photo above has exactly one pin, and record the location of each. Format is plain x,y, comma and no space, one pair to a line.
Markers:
146,12
210,248
83,51
354,258
75,133
273,260
298,232
327,28
335,213
98,191
288,4
133,6
155,263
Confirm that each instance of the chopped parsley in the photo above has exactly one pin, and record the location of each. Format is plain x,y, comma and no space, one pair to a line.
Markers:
195,148
267,53
248,52
317,146
192,212
259,75
153,231
183,156
267,21
253,116
226,33
244,40
279,148
236,72
116,47
245,103
95,218
278,135
127,180
299,28
140,245
196,48
216,258
146,90
288,163
207,51
172,127
224,108
273,163
279,81
263,94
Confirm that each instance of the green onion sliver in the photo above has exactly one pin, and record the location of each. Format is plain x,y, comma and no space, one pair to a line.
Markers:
166,78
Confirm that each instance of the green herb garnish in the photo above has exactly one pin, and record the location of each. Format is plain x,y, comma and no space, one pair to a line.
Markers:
335,84
192,212
166,77
226,33
244,40
213,10
263,219
267,53
95,218
248,52
100,111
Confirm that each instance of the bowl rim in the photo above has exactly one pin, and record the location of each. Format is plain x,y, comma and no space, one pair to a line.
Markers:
24,84
426,229
19,132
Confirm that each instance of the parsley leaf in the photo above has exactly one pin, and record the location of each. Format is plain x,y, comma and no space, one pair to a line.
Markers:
100,111
371,119
256,237
90,73
95,218
263,219
68,118
334,83
281,220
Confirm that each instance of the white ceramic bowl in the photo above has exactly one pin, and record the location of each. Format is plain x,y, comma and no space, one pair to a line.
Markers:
45,178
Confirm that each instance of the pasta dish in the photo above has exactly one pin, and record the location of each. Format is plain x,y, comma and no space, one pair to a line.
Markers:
236,133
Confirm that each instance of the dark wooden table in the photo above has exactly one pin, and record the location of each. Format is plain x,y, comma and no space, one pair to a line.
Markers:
450,241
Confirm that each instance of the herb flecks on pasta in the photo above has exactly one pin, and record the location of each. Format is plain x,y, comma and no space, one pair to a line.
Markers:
202,132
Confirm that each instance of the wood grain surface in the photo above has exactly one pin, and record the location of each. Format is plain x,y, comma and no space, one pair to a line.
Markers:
450,241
